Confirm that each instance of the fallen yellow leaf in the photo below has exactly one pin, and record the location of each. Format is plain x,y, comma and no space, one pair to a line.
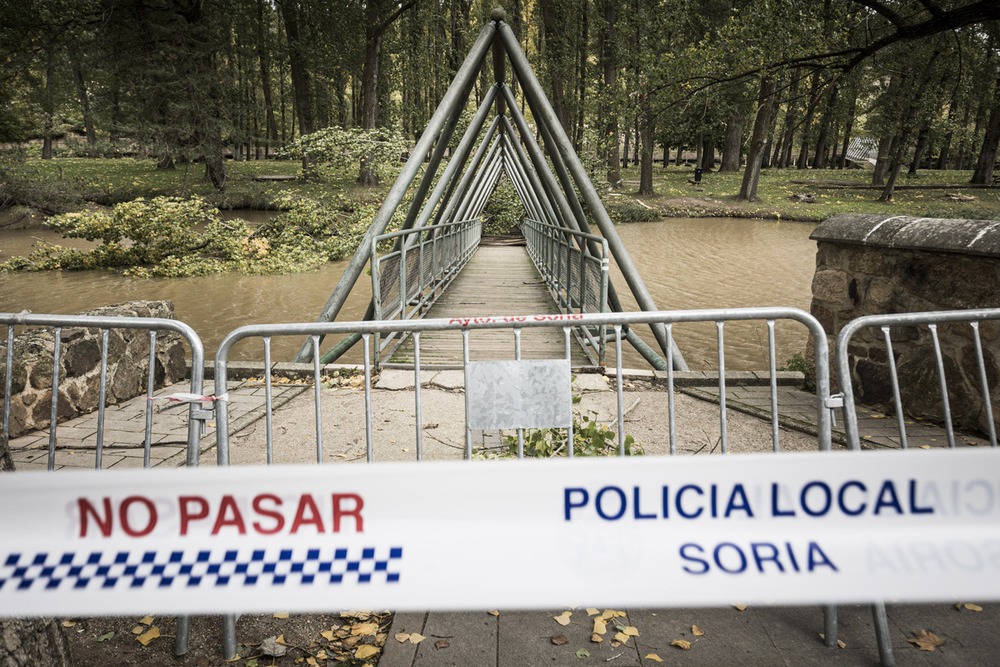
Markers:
682,644
653,656
600,627
607,615
311,661
493,612
622,637
366,651
138,630
364,629
696,631
281,614
416,638
596,638
148,620
592,612
321,655
740,607
972,607
926,641
630,632
402,637
563,618
68,624
327,635
149,636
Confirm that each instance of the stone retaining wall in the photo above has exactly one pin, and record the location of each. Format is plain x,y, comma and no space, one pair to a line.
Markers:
877,264
80,366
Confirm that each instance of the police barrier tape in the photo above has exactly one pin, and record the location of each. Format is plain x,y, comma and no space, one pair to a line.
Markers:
650,531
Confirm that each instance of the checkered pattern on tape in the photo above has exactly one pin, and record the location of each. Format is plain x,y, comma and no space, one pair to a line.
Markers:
20,571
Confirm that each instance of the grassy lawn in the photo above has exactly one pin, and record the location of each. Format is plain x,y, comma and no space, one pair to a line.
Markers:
110,181
675,196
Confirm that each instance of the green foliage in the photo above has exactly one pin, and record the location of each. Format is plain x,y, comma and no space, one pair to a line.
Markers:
341,150
173,237
796,363
590,438
503,211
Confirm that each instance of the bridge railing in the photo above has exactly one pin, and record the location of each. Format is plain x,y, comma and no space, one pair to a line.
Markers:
407,281
577,281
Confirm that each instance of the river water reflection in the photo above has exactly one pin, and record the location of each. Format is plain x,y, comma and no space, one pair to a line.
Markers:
686,263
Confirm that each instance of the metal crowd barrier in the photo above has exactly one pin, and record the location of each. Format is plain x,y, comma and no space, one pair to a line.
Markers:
577,281
196,415
923,342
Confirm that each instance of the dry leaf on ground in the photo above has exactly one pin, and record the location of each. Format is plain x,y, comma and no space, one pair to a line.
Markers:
364,629
653,656
592,612
563,618
926,641
681,644
740,607
630,632
493,612
149,636
696,631
600,627
442,643
366,651
147,620
402,637
972,607
281,614
596,638
416,638
622,637
559,640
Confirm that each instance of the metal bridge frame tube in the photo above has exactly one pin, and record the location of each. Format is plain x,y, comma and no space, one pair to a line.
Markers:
529,169
467,195
488,187
517,177
457,195
459,158
450,105
533,92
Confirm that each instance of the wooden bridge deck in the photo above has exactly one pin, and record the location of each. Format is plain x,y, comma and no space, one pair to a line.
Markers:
499,280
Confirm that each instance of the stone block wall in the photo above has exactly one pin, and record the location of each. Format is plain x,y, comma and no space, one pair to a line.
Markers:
80,366
876,264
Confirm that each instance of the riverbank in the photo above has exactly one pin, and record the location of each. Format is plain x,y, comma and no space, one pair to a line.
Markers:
67,184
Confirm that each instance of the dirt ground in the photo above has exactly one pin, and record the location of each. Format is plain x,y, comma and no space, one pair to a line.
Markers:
300,639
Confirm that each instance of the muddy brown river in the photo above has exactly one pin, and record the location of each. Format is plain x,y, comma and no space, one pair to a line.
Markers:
686,263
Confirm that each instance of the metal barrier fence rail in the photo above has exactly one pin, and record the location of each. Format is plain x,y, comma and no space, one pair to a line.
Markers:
468,327
886,324
577,281
196,414
407,281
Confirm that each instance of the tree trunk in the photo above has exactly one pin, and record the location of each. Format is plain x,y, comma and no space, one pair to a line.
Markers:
84,97
264,58
918,152
762,121
625,150
991,142
886,149
907,121
49,107
609,57
708,154
646,163
803,160
300,73
734,138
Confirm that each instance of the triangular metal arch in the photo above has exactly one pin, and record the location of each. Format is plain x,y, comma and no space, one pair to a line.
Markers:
550,194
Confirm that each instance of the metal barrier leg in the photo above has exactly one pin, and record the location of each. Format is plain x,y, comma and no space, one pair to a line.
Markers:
183,634
229,636
885,656
830,626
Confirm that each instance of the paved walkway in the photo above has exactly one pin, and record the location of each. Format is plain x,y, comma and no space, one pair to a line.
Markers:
755,635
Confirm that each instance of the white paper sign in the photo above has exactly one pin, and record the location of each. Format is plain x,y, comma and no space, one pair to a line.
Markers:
642,531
